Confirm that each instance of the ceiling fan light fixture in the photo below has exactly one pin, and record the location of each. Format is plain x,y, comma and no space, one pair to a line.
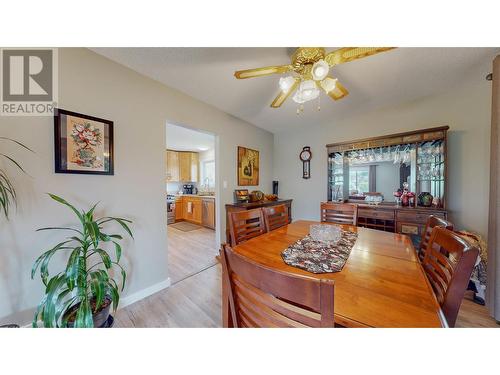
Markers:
286,83
307,91
329,84
320,70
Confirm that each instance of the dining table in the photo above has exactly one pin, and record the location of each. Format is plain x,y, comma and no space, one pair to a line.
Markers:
382,283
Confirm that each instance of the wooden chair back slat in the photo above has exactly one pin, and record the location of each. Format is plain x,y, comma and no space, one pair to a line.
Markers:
275,217
264,297
244,225
448,264
339,213
432,221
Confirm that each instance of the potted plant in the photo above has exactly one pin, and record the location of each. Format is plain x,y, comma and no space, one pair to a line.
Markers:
81,295
7,191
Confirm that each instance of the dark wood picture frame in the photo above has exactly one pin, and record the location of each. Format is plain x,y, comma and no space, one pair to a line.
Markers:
60,144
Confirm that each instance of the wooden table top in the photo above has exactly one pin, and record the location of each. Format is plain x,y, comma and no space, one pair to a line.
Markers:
382,283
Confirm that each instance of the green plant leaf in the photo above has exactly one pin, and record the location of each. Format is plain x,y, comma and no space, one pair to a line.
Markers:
60,228
118,251
72,268
52,292
61,311
84,315
90,213
38,311
98,289
115,296
44,271
7,193
62,201
121,221
17,142
105,257
14,162
104,237
94,232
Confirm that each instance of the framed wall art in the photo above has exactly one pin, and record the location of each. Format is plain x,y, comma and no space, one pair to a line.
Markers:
83,144
248,167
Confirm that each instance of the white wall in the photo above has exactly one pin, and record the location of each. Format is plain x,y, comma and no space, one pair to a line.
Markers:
139,107
465,108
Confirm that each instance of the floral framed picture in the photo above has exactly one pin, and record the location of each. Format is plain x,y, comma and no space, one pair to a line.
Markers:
248,167
83,144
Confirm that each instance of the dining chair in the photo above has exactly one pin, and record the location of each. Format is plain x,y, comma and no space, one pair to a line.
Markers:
275,217
448,264
432,221
339,213
244,225
264,297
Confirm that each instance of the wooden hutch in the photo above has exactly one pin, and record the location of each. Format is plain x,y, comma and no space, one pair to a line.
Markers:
424,169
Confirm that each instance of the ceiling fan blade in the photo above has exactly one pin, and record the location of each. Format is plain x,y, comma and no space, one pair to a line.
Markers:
260,72
338,91
347,54
282,96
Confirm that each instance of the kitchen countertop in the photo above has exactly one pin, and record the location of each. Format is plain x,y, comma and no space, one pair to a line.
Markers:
194,195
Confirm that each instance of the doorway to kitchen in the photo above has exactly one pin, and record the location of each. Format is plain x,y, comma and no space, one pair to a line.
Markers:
191,201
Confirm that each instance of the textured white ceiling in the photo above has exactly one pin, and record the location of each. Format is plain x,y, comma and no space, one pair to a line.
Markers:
183,139
386,79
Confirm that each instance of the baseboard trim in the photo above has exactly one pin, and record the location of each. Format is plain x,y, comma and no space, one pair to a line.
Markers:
141,294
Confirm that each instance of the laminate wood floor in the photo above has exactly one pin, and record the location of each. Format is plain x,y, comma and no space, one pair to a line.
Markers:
190,252
194,302
194,299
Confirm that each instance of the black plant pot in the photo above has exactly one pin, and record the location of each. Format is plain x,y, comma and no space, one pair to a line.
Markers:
101,319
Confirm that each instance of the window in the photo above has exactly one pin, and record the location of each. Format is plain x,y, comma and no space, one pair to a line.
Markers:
359,180
208,174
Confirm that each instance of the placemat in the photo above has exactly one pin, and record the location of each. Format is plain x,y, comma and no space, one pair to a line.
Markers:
320,257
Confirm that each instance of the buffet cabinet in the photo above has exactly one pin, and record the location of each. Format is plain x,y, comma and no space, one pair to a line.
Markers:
252,205
398,219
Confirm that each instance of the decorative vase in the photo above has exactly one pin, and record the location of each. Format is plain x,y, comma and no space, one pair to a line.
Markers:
405,200
425,199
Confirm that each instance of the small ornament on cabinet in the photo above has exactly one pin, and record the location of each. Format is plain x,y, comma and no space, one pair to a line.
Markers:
305,156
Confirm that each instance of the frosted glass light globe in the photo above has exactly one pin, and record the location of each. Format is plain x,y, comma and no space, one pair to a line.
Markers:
307,91
328,84
286,83
320,70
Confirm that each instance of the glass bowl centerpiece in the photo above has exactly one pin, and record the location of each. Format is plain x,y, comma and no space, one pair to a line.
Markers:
325,233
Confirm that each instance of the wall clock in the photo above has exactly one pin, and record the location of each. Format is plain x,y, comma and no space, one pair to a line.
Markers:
306,156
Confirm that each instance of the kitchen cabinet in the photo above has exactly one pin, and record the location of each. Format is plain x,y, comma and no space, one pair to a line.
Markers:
202,210
192,208
188,166
172,162
184,166
208,212
195,162
179,212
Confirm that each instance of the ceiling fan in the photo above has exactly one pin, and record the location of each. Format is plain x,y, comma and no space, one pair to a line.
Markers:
309,70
